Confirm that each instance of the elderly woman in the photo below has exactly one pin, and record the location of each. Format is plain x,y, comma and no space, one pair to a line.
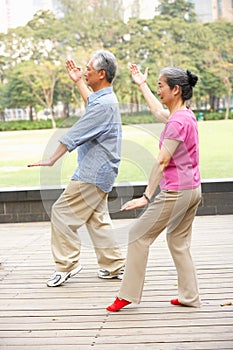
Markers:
176,171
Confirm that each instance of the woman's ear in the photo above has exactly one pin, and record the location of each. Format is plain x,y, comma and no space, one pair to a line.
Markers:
177,90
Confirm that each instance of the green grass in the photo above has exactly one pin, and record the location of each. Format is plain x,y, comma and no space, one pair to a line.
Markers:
140,148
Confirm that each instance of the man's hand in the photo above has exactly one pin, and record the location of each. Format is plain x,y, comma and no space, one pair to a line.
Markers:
45,162
75,72
135,203
138,77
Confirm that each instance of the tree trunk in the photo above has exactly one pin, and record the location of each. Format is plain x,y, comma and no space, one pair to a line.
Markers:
228,101
30,114
53,120
212,102
66,110
2,116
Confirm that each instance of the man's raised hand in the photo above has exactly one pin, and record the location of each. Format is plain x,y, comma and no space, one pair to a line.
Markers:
75,72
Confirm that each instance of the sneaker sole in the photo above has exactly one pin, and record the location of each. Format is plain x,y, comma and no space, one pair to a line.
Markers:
61,281
109,277
75,271
69,275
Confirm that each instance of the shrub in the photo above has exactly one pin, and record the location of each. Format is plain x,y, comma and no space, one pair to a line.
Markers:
139,118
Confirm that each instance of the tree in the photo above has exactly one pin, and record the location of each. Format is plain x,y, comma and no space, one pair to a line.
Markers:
82,21
42,78
38,52
2,102
177,9
223,44
17,93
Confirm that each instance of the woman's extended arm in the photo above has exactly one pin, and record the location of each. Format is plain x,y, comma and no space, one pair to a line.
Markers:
153,103
164,157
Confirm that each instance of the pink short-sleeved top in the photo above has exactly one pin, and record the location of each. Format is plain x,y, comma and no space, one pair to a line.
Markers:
182,172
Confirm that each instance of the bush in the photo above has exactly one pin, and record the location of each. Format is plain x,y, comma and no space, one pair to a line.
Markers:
207,115
14,125
25,125
139,118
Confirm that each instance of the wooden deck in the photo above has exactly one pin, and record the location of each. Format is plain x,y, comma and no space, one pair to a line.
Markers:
33,316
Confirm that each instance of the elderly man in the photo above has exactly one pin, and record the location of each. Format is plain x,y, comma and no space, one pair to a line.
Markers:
97,136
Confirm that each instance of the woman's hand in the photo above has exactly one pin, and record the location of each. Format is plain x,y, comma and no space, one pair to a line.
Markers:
138,77
135,203
75,72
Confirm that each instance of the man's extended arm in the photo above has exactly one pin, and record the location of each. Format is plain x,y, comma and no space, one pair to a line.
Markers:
60,151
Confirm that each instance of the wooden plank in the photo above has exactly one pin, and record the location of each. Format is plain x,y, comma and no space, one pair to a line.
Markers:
75,324
74,316
45,347
142,320
166,346
143,346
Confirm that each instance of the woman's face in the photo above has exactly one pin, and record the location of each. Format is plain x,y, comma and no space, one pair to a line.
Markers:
164,92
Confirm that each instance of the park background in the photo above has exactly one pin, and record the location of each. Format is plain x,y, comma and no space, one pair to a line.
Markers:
34,84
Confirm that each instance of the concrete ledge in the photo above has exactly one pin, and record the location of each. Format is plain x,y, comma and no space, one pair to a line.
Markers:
31,204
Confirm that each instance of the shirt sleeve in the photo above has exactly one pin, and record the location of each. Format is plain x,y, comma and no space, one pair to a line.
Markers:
174,131
92,124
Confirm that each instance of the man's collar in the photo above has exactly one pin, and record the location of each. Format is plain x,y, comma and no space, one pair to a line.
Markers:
101,92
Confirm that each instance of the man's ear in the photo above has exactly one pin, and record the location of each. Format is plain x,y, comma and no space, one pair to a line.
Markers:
102,74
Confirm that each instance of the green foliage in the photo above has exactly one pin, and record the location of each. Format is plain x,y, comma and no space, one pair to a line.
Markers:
14,125
138,119
216,115
127,119
32,61
179,8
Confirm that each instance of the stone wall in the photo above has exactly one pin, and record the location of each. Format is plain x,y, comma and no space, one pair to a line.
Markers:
34,204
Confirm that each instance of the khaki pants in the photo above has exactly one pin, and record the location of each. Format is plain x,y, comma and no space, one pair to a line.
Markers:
82,203
174,210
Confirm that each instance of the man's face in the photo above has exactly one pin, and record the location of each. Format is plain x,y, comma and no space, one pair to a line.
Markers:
93,78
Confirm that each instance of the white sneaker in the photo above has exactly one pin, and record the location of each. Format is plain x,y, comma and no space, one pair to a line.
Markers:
107,275
58,277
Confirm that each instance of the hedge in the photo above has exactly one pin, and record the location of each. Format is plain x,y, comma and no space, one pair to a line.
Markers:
126,120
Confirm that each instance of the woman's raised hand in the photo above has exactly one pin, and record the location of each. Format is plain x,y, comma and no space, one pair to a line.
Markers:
138,77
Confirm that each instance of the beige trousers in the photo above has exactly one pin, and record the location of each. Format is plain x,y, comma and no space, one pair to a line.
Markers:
174,210
82,203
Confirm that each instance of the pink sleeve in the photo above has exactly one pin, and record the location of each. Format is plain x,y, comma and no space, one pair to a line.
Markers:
174,131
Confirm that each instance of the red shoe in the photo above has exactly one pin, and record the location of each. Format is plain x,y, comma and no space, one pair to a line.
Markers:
118,304
175,302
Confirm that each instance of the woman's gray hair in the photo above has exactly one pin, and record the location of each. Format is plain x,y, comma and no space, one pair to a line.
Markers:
105,60
181,77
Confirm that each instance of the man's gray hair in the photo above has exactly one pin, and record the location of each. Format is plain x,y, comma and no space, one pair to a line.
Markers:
105,60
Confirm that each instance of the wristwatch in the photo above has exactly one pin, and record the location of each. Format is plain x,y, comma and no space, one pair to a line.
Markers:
147,198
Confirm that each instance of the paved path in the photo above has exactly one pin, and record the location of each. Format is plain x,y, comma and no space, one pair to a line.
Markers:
33,316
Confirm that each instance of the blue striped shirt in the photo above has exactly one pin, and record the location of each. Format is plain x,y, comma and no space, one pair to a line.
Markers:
97,137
